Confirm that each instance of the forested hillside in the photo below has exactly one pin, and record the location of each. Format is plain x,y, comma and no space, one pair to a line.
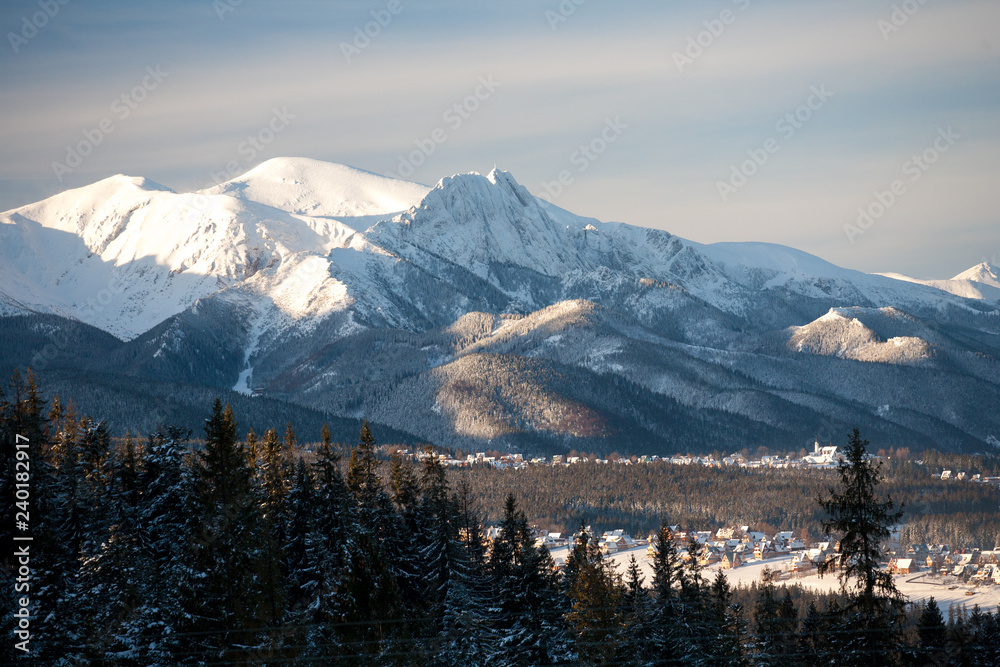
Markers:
241,551
638,497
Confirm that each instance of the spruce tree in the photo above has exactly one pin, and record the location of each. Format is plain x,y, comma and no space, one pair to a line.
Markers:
530,606
694,624
467,634
863,520
727,625
370,628
594,592
236,551
667,574
932,631
326,598
636,610
409,547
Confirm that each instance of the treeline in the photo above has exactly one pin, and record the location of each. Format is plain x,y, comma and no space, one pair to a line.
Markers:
638,497
240,552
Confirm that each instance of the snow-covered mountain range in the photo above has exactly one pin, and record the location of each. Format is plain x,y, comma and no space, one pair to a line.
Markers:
474,314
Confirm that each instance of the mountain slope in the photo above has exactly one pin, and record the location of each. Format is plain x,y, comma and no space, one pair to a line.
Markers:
474,312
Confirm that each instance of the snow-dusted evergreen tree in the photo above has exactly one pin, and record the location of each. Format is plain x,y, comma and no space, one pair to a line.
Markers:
22,413
776,622
371,629
728,626
812,638
114,573
863,520
326,599
151,633
530,615
70,514
694,627
594,590
637,612
408,548
978,642
234,551
438,551
301,510
667,575
467,635
271,487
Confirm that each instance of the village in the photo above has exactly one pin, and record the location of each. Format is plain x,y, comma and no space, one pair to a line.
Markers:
821,458
954,577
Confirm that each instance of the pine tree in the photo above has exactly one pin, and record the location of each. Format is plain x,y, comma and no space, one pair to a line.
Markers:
113,572
667,574
812,641
727,624
326,598
408,548
71,513
438,537
164,532
636,610
467,632
932,631
236,551
863,519
693,621
530,608
23,422
369,626
272,487
594,592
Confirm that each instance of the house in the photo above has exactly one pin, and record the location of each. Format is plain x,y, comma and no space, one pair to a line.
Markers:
901,566
550,540
731,559
962,570
934,562
820,556
764,550
610,547
752,536
709,557
988,558
822,456
801,563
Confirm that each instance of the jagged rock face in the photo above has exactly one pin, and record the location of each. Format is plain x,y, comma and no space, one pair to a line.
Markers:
473,312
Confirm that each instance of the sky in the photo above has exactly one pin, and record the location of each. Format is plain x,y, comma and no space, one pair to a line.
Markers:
867,133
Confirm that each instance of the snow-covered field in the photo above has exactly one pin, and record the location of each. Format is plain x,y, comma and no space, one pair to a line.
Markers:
945,590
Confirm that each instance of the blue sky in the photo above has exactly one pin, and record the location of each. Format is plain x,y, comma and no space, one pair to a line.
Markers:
894,78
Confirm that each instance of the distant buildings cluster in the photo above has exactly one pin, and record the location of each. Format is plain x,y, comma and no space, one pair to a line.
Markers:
963,476
735,546
975,566
821,457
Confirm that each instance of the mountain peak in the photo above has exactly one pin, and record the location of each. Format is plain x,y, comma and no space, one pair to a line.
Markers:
984,272
322,189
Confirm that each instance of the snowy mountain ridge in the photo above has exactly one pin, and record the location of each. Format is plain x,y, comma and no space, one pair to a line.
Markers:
290,267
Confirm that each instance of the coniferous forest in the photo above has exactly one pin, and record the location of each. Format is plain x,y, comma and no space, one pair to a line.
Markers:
151,551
